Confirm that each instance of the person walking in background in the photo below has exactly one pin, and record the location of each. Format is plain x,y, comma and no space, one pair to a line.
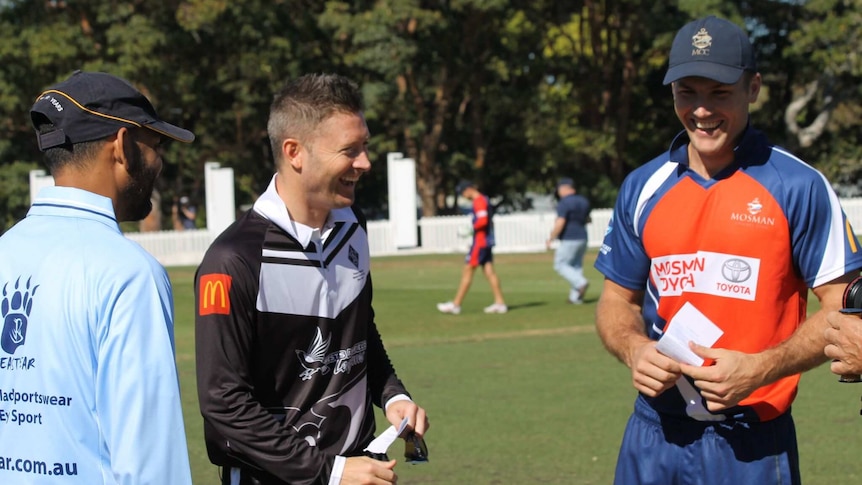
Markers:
184,214
573,214
480,253
711,251
89,384
289,358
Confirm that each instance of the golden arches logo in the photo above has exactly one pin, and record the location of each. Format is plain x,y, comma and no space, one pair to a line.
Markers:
214,290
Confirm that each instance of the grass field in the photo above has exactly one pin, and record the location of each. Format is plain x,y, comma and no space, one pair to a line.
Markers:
527,397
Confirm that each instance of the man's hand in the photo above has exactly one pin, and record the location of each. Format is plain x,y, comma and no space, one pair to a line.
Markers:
653,372
417,420
732,378
361,470
844,343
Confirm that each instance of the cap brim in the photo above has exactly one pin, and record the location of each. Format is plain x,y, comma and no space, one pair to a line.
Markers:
716,72
171,131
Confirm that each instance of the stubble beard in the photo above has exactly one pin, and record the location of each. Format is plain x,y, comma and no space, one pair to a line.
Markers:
136,197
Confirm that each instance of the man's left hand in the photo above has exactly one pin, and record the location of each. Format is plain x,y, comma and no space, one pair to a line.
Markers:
732,377
417,420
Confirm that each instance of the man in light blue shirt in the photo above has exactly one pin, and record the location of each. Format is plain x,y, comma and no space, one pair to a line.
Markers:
89,391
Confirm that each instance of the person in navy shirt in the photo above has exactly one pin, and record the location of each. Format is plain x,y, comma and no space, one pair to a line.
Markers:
573,214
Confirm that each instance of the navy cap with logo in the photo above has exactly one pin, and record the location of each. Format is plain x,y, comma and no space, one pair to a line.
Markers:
90,106
565,181
712,48
462,186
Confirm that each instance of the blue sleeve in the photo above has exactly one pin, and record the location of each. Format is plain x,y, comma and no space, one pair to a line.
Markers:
622,258
137,386
562,208
823,243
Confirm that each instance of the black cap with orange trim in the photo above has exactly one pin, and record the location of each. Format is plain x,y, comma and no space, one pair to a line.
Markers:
93,105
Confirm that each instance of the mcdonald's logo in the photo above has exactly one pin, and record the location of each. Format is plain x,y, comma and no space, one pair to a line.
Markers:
214,290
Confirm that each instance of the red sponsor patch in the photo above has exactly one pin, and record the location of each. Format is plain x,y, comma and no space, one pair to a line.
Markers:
214,291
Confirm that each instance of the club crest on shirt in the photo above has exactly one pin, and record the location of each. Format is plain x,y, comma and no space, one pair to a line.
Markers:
753,214
312,359
754,207
318,359
17,302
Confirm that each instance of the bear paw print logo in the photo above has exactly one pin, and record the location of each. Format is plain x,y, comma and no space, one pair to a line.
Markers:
15,308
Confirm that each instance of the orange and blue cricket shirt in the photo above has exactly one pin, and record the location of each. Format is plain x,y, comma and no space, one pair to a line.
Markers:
742,247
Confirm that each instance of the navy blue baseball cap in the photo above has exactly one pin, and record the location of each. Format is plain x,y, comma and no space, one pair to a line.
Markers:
565,181
713,48
462,186
94,105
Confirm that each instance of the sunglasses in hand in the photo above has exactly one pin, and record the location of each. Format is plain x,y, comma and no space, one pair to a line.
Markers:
415,449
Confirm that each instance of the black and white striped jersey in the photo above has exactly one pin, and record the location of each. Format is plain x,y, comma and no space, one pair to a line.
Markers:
289,359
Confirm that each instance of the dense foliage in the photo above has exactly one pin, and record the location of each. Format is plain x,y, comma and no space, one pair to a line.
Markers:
510,93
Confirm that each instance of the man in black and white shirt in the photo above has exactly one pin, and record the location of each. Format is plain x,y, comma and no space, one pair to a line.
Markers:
289,359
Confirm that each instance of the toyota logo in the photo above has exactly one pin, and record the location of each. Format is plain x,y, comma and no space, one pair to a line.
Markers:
736,270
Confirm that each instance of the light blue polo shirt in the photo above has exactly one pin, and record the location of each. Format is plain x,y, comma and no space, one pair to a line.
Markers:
89,391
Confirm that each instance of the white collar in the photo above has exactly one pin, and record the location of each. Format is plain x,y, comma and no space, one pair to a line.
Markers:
270,206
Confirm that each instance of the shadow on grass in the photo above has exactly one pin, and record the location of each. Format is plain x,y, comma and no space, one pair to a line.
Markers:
529,304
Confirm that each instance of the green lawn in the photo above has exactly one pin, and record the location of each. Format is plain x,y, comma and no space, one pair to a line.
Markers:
526,397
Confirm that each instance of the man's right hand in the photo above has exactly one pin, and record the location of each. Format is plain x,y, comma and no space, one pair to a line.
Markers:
361,470
653,372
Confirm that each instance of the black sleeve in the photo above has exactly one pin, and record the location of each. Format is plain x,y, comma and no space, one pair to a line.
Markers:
382,380
239,431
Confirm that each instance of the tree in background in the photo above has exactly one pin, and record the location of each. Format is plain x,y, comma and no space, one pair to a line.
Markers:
821,103
44,42
510,93
449,81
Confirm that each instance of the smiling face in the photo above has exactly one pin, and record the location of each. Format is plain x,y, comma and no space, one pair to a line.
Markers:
714,116
336,155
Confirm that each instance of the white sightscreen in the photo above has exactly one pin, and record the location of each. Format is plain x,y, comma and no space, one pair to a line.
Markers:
221,211
402,199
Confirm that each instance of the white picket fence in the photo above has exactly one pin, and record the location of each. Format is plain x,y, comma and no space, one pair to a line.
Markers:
522,232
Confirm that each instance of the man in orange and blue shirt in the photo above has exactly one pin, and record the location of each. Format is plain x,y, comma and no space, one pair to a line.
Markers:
728,229
480,253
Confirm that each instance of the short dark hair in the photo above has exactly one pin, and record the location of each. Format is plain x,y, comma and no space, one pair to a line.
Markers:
80,154
305,102
68,155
